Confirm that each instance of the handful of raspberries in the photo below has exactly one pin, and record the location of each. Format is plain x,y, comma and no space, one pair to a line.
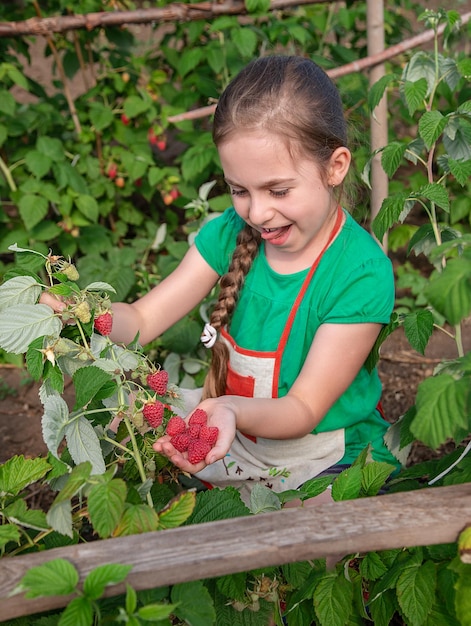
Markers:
196,438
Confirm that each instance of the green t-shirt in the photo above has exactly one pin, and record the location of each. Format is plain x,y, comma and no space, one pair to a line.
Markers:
353,283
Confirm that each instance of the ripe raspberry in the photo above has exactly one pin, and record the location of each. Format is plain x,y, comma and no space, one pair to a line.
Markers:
153,412
158,381
175,426
197,450
199,417
209,434
194,430
181,441
103,323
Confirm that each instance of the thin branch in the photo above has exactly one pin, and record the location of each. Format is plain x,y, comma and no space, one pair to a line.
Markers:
176,12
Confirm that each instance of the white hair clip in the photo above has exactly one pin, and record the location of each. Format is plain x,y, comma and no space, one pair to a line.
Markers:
209,336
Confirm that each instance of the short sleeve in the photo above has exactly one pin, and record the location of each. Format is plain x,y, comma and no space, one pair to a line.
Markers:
217,239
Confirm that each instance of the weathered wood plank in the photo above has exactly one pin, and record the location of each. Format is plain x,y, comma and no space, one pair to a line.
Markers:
425,517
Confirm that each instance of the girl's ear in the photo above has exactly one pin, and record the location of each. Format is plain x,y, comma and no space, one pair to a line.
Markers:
338,166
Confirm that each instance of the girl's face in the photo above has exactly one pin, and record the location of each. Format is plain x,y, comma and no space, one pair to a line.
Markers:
286,198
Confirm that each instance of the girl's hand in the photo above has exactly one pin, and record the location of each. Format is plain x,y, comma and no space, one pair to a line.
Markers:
220,414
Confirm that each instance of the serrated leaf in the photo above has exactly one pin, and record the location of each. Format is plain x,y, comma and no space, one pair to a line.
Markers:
392,208
88,206
17,473
263,499
441,405
9,532
34,358
54,578
33,209
54,420
315,486
59,517
333,598
245,40
372,567
106,505
200,613
23,323
416,592
18,513
391,157
217,504
415,93
100,286
374,475
463,596
376,91
450,291
79,612
177,511
383,607
347,485
19,290
134,106
137,518
431,126
102,576
156,612
461,170
436,193
38,163
418,328
83,444
88,381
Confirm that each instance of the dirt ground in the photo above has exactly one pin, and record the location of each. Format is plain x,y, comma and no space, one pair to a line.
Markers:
401,370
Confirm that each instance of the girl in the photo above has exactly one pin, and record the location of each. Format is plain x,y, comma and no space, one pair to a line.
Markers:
304,290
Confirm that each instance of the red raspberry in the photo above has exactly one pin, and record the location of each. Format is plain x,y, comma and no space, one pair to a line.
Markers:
175,426
181,441
158,381
103,323
199,417
153,412
197,450
209,434
194,431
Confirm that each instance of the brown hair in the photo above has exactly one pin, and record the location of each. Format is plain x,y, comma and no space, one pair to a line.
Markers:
294,98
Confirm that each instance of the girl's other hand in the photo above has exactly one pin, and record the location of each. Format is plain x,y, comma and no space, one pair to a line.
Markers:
221,415
56,305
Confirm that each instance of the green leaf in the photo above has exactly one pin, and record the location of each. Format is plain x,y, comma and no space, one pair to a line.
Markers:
391,157
217,504
9,532
461,170
463,66
51,148
102,576
415,93
263,499
315,486
376,91
189,59
134,106
436,193
463,596
347,485
83,444
374,476
137,518
416,592
372,567
18,513
194,604
88,206
87,382
333,598
257,6
55,419
79,612
17,473
101,116
19,290
33,209
131,600
431,126
38,163
156,612
23,323
7,103
441,410
392,210
450,291
245,40
418,328
383,607
54,578
106,505
177,511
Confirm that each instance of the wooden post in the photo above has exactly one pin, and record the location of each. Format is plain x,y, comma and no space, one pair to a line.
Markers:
379,117
425,517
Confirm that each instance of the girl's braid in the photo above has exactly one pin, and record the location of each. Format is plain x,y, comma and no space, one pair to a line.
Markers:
246,250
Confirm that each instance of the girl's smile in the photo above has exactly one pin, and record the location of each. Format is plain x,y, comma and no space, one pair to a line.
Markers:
283,196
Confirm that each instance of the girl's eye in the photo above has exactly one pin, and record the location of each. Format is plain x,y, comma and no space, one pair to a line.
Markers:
279,193
237,192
